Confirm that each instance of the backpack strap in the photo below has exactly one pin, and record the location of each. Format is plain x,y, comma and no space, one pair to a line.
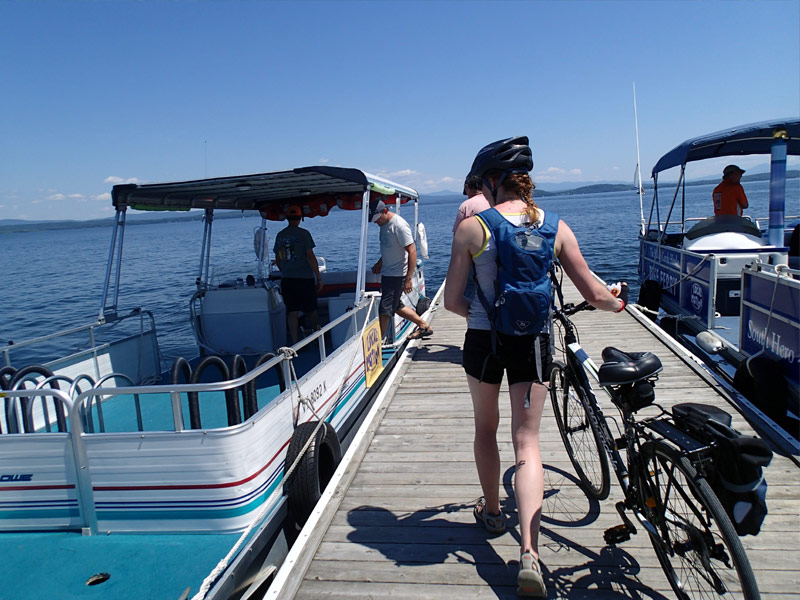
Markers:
487,222
490,218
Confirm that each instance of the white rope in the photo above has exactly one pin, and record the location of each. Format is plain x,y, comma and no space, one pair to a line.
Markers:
223,564
294,381
645,310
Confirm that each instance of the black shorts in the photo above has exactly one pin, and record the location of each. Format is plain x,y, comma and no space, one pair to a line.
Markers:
391,295
299,294
515,355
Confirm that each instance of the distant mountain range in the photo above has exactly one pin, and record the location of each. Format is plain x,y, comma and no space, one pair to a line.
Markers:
600,187
21,226
443,197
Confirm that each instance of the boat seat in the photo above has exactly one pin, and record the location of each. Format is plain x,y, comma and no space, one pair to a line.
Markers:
723,224
620,367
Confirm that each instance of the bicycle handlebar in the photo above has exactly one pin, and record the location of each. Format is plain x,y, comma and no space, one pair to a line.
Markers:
571,309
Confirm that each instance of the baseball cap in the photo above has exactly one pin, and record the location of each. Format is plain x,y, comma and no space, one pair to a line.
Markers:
731,169
377,211
294,211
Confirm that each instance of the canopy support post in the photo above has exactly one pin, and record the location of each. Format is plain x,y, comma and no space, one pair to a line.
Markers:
777,188
119,228
361,276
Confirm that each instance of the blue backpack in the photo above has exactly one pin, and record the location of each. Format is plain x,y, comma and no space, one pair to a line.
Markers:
523,286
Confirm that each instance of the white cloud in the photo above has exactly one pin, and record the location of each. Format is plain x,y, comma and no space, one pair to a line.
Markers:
103,196
402,175
113,179
324,161
77,196
557,175
56,197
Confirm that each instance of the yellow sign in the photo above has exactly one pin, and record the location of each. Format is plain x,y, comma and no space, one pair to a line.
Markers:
373,352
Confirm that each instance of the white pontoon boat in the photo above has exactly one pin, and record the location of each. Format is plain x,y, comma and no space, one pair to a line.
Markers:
126,476
728,287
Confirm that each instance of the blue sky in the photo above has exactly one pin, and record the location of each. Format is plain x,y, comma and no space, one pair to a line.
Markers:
97,93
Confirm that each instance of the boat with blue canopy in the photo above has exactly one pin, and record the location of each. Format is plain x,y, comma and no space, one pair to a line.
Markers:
127,474
728,287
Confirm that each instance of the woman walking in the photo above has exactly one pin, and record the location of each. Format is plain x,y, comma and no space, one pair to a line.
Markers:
503,167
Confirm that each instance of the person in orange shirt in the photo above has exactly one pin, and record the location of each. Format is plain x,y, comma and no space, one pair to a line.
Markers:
729,197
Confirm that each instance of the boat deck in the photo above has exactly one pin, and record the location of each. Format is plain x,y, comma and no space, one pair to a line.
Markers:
399,523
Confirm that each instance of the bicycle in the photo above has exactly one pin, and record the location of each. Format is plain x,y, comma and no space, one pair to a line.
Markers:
663,476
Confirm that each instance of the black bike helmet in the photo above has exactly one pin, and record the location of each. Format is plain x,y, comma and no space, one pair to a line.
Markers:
511,155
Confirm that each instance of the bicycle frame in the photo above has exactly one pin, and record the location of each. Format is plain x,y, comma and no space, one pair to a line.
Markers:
578,363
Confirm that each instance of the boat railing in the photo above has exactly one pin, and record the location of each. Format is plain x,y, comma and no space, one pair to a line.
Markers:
368,304
90,402
682,274
770,320
92,351
92,346
761,222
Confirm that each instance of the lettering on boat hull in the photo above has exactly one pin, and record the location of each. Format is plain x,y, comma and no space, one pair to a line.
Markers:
17,477
771,341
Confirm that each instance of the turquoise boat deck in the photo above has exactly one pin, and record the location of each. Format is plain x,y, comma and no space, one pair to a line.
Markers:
139,566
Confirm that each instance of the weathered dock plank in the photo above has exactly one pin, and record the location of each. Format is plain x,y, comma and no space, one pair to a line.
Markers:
400,524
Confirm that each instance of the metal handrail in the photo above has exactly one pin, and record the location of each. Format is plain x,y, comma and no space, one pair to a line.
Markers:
756,220
221,386
135,391
103,322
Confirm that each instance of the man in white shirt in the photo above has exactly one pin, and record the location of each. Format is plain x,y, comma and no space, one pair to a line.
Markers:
396,266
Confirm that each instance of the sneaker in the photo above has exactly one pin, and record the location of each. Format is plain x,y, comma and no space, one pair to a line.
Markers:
529,581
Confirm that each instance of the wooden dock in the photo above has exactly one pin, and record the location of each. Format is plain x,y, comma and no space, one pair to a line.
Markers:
399,522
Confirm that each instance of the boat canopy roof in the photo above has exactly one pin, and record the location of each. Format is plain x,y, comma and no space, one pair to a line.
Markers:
755,138
315,189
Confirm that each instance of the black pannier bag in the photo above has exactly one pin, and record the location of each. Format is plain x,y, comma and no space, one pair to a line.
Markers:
737,474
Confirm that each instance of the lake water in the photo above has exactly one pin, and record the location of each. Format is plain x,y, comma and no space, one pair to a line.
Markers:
53,279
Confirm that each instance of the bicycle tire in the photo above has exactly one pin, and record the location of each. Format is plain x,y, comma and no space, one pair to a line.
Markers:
691,526
579,434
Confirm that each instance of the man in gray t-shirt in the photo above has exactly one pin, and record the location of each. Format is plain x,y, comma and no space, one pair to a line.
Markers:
396,266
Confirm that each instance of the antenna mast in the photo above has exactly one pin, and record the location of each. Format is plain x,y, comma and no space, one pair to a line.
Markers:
639,186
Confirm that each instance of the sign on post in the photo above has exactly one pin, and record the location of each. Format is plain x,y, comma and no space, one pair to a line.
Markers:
373,352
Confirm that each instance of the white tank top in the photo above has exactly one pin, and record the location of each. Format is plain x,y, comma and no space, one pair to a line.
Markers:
485,263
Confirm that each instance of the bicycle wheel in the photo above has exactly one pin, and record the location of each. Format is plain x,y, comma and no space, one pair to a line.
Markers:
580,437
693,537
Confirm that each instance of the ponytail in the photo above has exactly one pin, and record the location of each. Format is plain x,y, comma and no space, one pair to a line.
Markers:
522,185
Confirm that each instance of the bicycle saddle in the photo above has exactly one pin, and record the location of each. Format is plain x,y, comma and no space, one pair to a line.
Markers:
620,367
